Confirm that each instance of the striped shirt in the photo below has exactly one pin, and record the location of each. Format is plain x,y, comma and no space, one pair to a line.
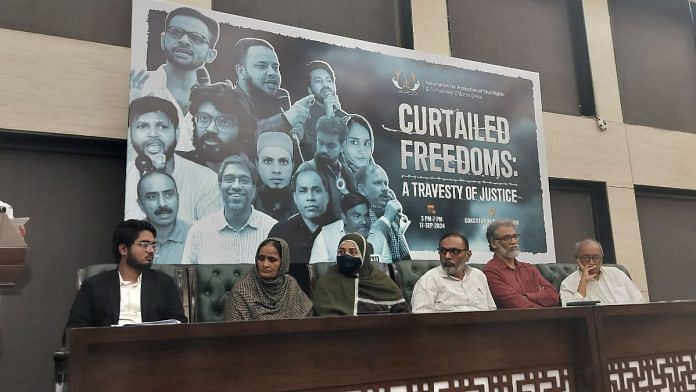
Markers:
212,240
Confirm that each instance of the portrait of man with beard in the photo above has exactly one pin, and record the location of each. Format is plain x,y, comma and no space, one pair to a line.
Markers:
152,130
274,162
223,125
257,76
321,83
331,133
158,197
188,43
513,283
386,213
453,286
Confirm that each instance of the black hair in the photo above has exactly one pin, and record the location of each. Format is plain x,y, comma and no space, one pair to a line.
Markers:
239,159
127,232
293,180
455,234
317,64
351,200
240,49
210,23
151,104
332,126
227,100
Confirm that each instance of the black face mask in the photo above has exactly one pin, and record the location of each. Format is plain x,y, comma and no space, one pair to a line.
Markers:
348,265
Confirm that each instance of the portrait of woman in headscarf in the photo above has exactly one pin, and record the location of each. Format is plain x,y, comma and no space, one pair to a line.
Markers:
359,145
355,285
267,291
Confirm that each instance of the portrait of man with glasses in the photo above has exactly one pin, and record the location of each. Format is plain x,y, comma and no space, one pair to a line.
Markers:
188,43
594,282
132,293
453,286
230,236
223,126
513,283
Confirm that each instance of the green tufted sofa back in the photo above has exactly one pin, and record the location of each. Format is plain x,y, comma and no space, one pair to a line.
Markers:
210,285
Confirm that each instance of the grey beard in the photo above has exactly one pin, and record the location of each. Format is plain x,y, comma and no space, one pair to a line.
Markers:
510,254
455,269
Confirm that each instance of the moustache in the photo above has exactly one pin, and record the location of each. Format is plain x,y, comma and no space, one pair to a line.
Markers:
163,210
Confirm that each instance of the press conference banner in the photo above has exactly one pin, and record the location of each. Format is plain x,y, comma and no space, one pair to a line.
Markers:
461,143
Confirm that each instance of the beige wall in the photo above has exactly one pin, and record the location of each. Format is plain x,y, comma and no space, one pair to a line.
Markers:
82,89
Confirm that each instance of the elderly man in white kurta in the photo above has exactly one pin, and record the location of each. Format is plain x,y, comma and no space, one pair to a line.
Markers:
593,282
453,286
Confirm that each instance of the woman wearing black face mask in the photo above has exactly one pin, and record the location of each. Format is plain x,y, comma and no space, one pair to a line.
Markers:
354,286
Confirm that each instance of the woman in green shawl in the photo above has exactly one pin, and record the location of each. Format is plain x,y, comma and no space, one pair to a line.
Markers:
354,285
267,291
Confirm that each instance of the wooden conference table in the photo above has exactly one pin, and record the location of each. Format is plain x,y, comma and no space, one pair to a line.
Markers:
604,348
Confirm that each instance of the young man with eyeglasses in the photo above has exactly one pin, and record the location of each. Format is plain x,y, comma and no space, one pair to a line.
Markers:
232,235
188,43
132,293
223,125
609,286
453,286
513,283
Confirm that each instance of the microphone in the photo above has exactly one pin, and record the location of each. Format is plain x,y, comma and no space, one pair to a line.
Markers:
203,77
330,110
144,164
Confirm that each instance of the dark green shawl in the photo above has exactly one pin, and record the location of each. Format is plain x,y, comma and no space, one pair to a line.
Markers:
335,293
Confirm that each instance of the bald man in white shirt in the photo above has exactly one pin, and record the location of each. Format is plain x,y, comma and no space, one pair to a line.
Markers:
594,282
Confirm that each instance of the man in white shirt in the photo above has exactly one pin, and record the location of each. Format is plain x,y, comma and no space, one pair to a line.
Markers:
355,218
453,286
232,235
152,127
188,43
593,282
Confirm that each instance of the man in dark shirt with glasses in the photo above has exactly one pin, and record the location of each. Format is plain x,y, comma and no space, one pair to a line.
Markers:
513,283
132,293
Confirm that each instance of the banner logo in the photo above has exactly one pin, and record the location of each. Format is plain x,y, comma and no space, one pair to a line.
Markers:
406,82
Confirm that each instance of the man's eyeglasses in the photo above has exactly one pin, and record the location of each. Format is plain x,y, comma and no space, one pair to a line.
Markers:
194,38
147,245
231,179
453,251
587,259
224,124
508,238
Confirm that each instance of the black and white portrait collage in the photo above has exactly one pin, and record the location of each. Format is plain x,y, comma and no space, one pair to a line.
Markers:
237,133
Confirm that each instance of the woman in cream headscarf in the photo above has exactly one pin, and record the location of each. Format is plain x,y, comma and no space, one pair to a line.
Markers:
359,145
354,285
267,291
